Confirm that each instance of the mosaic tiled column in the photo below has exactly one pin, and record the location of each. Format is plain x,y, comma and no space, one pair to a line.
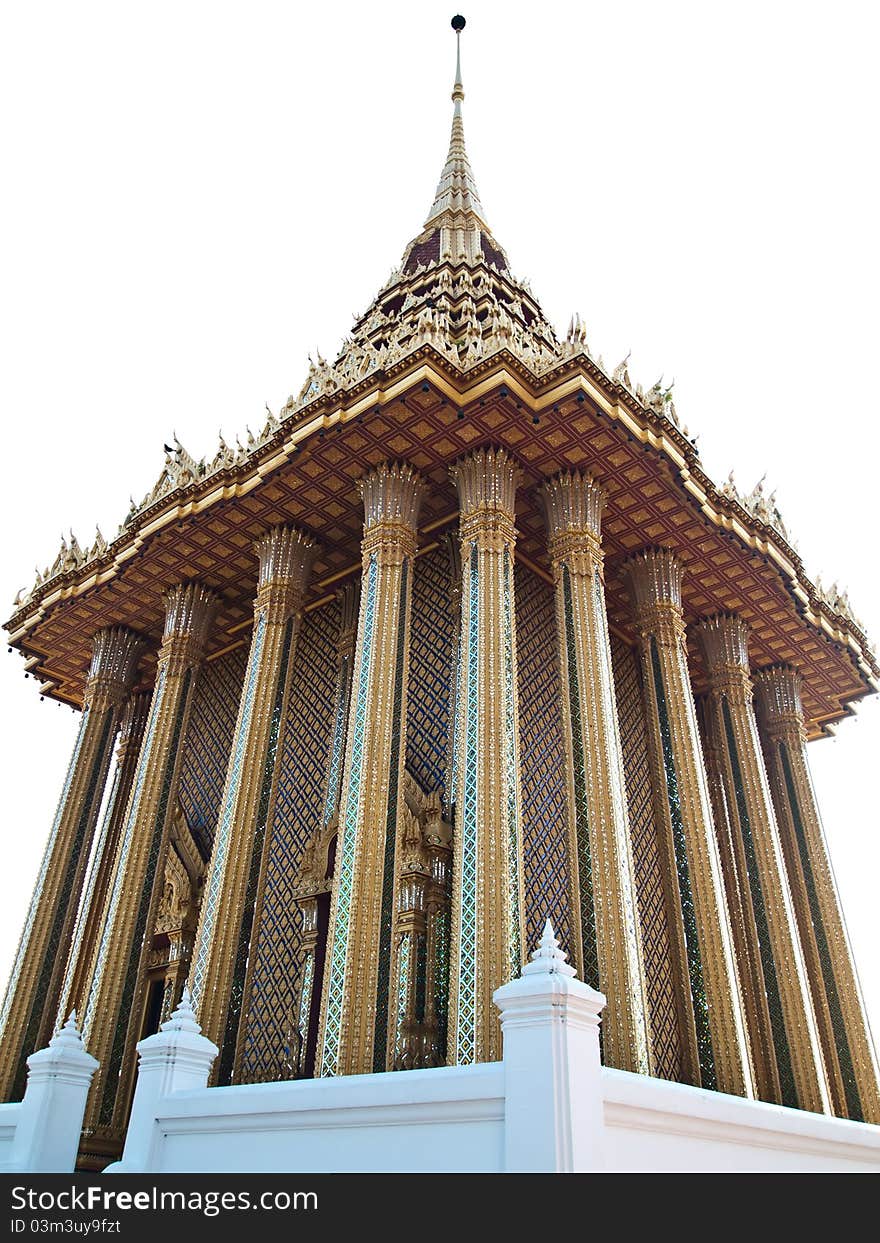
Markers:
453,551
84,943
607,954
354,1034
850,1056
724,643
487,908
227,910
756,1011
32,997
314,880
721,1050
113,1013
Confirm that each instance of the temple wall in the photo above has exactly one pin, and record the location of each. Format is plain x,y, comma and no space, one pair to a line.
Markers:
208,742
542,760
653,916
303,772
430,672
305,753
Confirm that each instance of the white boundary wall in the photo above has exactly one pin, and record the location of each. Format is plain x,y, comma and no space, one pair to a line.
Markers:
653,1126
452,1119
442,1120
548,1106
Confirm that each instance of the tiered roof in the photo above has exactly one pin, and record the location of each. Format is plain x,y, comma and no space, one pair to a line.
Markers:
453,351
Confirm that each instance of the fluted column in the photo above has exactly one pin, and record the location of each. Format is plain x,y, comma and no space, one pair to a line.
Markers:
226,917
32,996
354,1032
724,643
84,943
756,1011
113,1013
607,953
850,1056
487,907
316,910
720,1046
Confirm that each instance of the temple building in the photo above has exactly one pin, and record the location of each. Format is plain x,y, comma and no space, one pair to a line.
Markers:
465,638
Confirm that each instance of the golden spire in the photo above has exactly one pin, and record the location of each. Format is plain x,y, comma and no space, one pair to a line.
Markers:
457,193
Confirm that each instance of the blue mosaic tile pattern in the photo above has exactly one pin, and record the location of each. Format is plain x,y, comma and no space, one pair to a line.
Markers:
209,742
432,635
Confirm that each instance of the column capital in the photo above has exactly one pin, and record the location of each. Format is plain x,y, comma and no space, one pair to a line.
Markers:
285,555
778,700
189,611
573,502
392,495
487,480
654,577
116,651
724,642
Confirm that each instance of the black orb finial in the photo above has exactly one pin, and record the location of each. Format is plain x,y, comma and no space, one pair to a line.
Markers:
458,23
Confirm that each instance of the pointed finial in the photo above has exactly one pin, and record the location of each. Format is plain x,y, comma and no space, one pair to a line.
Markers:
458,25
548,958
68,1035
183,1019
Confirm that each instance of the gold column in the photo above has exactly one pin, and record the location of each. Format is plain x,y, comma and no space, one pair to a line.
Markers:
227,910
739,909
487,908
725,645
113,1013
607,953
356,1029
850,1056
718,1040
32,998
84,943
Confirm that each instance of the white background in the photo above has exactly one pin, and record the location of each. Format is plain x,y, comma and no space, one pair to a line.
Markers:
196,195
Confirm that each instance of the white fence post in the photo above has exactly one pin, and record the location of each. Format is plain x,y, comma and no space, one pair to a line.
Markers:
48,1131
177,1058
552,1069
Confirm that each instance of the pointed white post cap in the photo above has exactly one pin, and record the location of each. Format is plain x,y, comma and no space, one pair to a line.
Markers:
66,1046
68,1036
548,975
184,1017
548,958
